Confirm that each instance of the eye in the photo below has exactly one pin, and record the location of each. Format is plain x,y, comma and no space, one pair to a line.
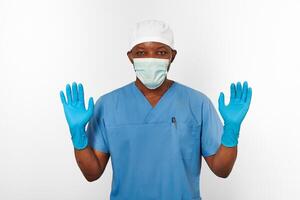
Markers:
162,53
140,53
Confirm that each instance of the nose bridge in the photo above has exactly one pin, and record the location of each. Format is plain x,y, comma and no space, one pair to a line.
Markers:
152,53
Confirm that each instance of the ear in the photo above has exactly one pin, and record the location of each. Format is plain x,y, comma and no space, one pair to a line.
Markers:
174,52
129,54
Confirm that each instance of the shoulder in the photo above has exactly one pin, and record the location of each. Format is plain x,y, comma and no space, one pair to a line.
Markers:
194,95
198,102
111,98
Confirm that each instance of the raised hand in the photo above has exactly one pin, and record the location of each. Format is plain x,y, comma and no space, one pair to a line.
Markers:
76,114
234,113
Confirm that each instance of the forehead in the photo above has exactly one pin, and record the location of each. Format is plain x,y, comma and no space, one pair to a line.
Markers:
151,45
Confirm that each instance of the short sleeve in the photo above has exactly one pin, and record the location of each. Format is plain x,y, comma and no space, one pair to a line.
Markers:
211,129
96,130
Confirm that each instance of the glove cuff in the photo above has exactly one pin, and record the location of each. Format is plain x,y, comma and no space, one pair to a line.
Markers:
230,134
79,138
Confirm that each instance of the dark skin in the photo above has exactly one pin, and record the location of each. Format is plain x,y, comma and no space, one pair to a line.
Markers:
92,163
152,50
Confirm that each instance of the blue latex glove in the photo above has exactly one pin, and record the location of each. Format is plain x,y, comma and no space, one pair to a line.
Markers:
76,114
234,113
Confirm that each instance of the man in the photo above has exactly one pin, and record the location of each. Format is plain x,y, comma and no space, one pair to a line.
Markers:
154,129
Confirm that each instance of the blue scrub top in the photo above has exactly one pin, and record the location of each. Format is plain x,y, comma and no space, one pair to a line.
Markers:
155,151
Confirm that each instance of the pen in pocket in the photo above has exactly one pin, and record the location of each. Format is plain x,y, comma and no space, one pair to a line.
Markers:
174,122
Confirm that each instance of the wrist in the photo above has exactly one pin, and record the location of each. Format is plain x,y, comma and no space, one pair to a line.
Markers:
79,138
230,134
232,127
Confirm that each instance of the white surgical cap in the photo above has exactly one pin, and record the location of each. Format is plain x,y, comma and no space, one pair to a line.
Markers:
152,30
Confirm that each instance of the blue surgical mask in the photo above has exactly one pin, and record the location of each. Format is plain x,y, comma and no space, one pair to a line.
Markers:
151,71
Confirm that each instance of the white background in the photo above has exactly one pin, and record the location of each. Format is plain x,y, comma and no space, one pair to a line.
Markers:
46,44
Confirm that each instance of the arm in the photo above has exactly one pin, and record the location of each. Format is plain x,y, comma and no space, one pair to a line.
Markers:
233,114
92,163
222,162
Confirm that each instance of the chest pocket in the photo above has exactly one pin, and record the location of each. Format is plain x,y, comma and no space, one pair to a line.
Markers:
161,140
188,137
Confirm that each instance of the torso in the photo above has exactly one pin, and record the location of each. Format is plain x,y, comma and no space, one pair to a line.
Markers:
138,135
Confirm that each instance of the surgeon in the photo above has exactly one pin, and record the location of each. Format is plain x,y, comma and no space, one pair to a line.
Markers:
154,129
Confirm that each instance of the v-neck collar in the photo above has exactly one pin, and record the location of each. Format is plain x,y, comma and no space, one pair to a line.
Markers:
160,101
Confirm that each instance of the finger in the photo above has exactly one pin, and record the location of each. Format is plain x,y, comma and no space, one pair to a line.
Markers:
249,96
91,106
232,91
80,92
68,92
75,92
245,90
62,98
238,90
221,101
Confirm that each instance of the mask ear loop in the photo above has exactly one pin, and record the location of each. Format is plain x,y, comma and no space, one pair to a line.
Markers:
169,65
132,61
171,60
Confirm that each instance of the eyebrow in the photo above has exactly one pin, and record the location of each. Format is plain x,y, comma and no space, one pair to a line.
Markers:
161,47
138,47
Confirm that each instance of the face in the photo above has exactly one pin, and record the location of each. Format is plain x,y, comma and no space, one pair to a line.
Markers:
152,50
